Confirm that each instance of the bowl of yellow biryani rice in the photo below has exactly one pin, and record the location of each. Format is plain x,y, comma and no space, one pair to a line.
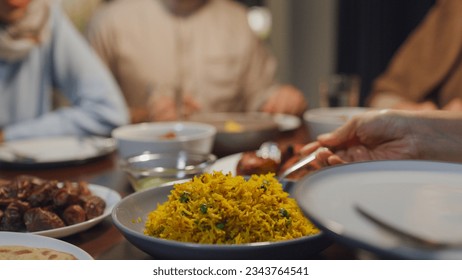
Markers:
219,216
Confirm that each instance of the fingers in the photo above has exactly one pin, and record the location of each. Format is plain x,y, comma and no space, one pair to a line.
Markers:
309,148
427,105
454,105
353,154
138,115
335,160
190,106
287,100
163,108
414,106
340,137
322,157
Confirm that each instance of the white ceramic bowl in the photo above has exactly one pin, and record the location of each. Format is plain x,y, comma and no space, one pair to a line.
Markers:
161,137
323,120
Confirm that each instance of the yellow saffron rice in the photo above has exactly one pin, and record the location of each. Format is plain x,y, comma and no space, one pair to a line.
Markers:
217,208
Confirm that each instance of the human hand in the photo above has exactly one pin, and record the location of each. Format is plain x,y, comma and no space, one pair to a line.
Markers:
286,100
394,134
415,106
164,108
454,105
324,157
139,114
374,135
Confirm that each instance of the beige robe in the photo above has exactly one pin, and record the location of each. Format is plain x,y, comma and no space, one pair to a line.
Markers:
430,60
212,54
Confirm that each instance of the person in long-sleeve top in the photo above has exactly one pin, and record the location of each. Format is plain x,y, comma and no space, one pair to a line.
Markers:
426,71
41,52
203,49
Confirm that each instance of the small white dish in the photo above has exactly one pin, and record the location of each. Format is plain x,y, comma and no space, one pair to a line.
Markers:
227,164
31,240
327,119
162,137
59,150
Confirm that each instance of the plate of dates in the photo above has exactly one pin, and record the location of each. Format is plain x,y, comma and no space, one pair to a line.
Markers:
51,208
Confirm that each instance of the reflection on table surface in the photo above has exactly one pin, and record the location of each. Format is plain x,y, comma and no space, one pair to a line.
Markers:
104,241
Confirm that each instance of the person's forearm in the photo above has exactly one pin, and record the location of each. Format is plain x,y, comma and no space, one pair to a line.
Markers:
389,100
1,136
438,135
383,100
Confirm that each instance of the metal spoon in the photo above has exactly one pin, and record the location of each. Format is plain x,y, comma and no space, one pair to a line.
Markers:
412,238
301,163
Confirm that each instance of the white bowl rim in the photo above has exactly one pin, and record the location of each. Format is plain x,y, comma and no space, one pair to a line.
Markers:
321,110
120,132
332,113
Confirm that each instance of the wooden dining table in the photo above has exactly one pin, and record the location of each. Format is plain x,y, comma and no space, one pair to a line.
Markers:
104,241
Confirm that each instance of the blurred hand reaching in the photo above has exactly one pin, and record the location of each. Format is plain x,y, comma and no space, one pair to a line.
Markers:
286,100
454,105
163,108
393,134
414,106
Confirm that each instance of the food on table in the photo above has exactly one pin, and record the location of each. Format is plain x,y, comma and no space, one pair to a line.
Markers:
217,208
93,206
74,214
232,126
32,204
250,163
168,135
17,252
37,219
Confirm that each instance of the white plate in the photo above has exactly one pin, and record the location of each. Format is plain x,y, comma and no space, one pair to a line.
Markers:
287,122
30,240
111,198
420,196
226,164
55,150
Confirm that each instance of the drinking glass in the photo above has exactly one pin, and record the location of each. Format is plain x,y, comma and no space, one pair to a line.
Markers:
339,90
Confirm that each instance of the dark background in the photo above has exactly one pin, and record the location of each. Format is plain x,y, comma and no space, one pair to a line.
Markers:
251,3
369,32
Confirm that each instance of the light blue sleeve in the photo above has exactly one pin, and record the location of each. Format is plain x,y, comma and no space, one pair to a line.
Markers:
97,104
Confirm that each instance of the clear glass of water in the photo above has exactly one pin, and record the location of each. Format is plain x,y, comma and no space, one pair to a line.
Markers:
339,90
